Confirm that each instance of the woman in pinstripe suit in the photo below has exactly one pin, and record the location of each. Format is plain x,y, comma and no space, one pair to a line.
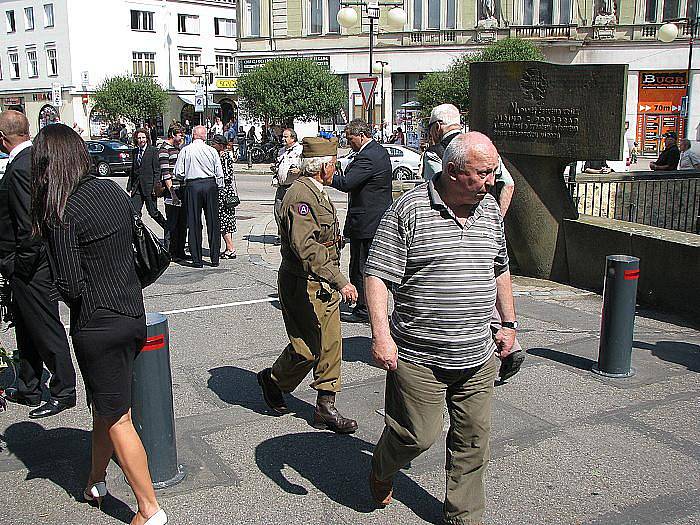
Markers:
87,223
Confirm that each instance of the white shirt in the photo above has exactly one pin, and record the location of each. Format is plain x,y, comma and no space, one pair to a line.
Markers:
19,148
689,160
199,161
286,159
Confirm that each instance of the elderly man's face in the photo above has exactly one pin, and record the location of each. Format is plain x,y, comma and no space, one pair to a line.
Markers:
288,138
355,141
473,183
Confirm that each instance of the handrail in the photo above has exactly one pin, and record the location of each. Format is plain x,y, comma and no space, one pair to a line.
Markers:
637,176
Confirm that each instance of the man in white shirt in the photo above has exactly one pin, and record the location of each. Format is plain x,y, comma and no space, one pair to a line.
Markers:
689,159
199,165
286,168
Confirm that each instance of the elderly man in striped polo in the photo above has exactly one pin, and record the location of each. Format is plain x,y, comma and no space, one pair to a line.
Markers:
442,249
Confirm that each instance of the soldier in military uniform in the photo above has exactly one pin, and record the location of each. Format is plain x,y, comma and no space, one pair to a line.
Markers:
310,290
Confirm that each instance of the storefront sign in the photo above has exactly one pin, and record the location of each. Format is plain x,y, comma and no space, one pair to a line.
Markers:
659,107
227,83
246,65
56,98
41,97
13,101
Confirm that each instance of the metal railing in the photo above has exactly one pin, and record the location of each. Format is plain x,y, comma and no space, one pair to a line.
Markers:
668,200
544,31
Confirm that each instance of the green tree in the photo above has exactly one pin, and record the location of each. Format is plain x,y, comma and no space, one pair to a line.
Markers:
452,86
286,89
129,97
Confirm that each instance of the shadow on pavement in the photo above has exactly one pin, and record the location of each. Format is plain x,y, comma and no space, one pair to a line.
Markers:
358,349
339,467
237,386
262,239
686,354
62,456
575,361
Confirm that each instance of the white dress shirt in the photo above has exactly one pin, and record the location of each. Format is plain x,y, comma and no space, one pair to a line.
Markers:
199,161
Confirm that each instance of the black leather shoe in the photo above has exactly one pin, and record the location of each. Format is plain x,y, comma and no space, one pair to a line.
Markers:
13,396
327,417
50,408
272,393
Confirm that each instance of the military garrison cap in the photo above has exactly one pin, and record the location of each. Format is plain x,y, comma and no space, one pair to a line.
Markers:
319,147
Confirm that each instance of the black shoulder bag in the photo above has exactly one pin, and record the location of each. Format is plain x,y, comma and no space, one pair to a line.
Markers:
151,258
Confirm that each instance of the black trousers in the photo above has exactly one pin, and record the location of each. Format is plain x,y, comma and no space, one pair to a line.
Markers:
203,195
138,199
41,339
176,224
359,250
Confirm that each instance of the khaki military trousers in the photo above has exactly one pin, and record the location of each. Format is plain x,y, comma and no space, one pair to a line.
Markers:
311,313
414,400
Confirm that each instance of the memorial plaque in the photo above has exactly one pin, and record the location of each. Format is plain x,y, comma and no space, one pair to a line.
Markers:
550,110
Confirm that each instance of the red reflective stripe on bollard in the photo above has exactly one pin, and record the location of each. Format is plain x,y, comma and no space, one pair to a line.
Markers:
630,275
154,343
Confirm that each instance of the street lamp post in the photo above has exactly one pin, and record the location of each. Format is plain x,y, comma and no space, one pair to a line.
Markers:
202,74
347,17
380,66
668,33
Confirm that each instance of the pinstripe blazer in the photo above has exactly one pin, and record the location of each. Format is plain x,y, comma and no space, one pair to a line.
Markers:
92,254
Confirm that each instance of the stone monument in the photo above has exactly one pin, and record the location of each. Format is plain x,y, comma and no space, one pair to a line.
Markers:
542,117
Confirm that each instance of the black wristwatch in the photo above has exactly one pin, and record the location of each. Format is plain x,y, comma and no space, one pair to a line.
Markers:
513,325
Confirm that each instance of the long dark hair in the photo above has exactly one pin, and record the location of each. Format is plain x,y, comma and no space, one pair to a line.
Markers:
59,160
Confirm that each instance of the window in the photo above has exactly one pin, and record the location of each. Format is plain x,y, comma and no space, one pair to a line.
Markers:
11,26
323,16
548,12
225,27
52,61
333,8
13,58
32,63
672,9
417,14
224,64
252,14
0,70
433,14
141,20
404,89
188,61
188,24
316,26
437,14
144,64
28,18
692,9
48,15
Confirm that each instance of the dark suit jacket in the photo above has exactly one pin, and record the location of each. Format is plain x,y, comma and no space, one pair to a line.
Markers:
92,253
21,253
368,181
145,174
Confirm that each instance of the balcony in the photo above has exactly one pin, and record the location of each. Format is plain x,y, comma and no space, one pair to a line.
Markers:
546,32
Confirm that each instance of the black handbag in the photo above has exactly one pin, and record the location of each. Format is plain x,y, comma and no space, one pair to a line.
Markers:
229,197
151,258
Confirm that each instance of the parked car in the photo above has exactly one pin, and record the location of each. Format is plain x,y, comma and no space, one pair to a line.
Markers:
109,156
405,161
4,161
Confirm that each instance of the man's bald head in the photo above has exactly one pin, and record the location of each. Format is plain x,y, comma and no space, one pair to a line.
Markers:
467,148
14,124
199,132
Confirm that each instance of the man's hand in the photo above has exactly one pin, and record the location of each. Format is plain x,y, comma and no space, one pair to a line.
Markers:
176,200
505,339
652,166
349,293
385,353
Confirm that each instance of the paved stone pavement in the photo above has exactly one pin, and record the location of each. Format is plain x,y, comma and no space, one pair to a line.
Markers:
568,447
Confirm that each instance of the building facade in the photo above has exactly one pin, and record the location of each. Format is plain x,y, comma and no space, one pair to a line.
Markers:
71,46
438,31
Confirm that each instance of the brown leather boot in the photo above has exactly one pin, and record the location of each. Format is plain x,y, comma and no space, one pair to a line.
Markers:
271,392
382,491
327,417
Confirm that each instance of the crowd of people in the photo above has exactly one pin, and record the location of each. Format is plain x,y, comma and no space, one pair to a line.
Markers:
440,344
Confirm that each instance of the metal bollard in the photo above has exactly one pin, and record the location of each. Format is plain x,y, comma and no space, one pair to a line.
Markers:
617,323
152,404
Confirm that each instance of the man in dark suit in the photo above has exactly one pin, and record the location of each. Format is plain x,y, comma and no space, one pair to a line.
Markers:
368,181
145,171
41,338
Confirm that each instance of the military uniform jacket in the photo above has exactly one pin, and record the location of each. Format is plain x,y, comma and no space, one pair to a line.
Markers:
310,235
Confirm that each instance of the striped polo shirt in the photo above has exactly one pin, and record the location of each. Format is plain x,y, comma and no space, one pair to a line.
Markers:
443,277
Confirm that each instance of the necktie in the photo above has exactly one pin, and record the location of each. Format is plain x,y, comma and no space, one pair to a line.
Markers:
140,155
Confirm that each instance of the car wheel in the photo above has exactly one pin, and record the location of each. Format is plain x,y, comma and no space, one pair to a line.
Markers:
403,173
257,155
103,169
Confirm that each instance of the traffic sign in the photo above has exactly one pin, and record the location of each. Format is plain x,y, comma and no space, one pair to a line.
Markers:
367,86
199,103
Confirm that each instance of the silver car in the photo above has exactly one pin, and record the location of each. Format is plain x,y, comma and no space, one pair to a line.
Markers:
4,161
405,161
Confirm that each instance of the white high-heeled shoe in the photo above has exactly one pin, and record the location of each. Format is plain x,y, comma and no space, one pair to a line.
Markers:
96,492
159,518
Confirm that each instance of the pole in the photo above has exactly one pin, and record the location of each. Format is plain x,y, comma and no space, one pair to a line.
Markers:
206,95
693,27
381,124
370,103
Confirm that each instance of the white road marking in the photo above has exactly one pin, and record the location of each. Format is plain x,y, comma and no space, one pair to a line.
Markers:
216,306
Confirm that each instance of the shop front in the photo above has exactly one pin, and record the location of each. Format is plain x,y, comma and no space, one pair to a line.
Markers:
662,106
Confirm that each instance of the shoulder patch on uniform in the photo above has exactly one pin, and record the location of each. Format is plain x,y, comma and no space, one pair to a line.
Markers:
303,209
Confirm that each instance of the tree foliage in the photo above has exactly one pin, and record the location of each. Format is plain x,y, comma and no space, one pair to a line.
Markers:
452,86
286,89
129,97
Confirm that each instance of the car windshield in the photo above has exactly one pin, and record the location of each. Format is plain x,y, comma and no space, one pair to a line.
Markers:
116,145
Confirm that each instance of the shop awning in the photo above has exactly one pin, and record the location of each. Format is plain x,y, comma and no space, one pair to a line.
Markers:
189,99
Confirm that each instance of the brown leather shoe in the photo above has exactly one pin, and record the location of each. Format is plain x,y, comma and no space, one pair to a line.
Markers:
382,491
327,417
271,392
